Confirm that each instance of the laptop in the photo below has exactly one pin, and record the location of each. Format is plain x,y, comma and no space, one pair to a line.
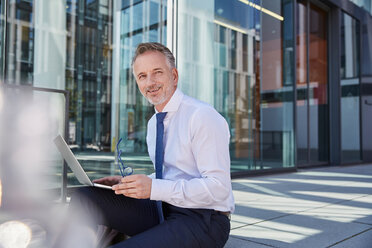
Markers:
74,164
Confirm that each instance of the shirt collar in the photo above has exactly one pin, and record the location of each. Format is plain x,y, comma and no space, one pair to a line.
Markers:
174,102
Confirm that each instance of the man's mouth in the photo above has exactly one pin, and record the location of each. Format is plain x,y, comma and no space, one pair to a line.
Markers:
153,90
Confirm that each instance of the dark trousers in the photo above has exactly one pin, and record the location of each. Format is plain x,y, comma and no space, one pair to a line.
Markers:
139,219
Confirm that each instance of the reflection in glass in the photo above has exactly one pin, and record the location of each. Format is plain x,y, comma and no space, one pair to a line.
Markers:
366,4
69,48
318,84
88,73
277,139
301,83
20,42
312,96
350,91
225,72
2,39
140,21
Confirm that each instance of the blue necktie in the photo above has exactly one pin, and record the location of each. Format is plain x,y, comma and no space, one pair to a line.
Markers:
159,155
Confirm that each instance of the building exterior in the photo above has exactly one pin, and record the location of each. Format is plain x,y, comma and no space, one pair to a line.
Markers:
293,78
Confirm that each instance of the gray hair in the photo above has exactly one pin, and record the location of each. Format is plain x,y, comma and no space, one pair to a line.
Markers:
155,46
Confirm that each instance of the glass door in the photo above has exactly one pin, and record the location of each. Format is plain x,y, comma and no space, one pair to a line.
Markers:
312,84
350,90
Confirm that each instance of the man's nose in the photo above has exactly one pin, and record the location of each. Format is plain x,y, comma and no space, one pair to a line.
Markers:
150,80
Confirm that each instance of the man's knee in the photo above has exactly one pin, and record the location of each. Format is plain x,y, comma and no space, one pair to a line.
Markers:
80,195
83,204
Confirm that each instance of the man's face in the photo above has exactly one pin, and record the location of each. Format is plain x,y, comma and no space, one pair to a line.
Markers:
155,79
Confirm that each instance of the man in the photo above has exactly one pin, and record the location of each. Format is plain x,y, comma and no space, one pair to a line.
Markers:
187,202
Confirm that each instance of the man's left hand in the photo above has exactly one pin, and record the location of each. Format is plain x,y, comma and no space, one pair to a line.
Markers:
135,186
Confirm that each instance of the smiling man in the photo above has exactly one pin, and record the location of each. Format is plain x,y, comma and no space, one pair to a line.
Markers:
188,200
156,78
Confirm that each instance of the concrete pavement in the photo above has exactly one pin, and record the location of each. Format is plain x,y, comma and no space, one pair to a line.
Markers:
321,207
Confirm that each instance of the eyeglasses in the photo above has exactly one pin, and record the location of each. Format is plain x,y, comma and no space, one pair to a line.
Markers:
124,170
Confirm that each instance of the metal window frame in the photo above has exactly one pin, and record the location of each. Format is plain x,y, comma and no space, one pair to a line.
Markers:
294,83
4,4
335,89
360,92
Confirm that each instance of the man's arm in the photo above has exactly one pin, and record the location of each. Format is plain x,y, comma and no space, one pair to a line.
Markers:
210,149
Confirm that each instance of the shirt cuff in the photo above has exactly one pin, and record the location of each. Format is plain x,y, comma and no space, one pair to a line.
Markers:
160,190
152,176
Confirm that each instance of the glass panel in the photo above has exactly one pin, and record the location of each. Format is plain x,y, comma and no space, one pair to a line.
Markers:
350,90
225,35
88,78
140,21
318,80
312,84
366,4
223,69
20,42
301,83
71,48
68,48
277,139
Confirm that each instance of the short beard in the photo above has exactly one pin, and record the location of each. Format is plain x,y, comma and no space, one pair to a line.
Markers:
162,100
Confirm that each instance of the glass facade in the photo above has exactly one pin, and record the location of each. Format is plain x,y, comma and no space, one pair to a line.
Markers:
350,89
88,72
312,84
263,64
277,85
240,64
365,4
19,42
140,21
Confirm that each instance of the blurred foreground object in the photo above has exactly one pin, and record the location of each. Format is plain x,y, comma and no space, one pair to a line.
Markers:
31,210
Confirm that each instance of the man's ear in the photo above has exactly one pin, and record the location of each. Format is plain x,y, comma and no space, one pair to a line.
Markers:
175,75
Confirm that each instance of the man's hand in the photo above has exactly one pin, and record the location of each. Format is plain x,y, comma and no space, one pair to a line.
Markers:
135,186
112,180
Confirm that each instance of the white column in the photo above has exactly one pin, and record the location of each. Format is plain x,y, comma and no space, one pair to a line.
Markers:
349,51
50,43
115,94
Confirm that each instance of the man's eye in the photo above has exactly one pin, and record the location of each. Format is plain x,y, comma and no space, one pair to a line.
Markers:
159,72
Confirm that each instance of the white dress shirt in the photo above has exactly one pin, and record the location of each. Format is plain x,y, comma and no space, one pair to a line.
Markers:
196,170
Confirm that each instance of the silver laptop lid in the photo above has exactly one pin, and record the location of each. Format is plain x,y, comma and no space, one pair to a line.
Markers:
71,160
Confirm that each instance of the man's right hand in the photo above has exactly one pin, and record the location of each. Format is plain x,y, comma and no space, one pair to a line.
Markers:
111,180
